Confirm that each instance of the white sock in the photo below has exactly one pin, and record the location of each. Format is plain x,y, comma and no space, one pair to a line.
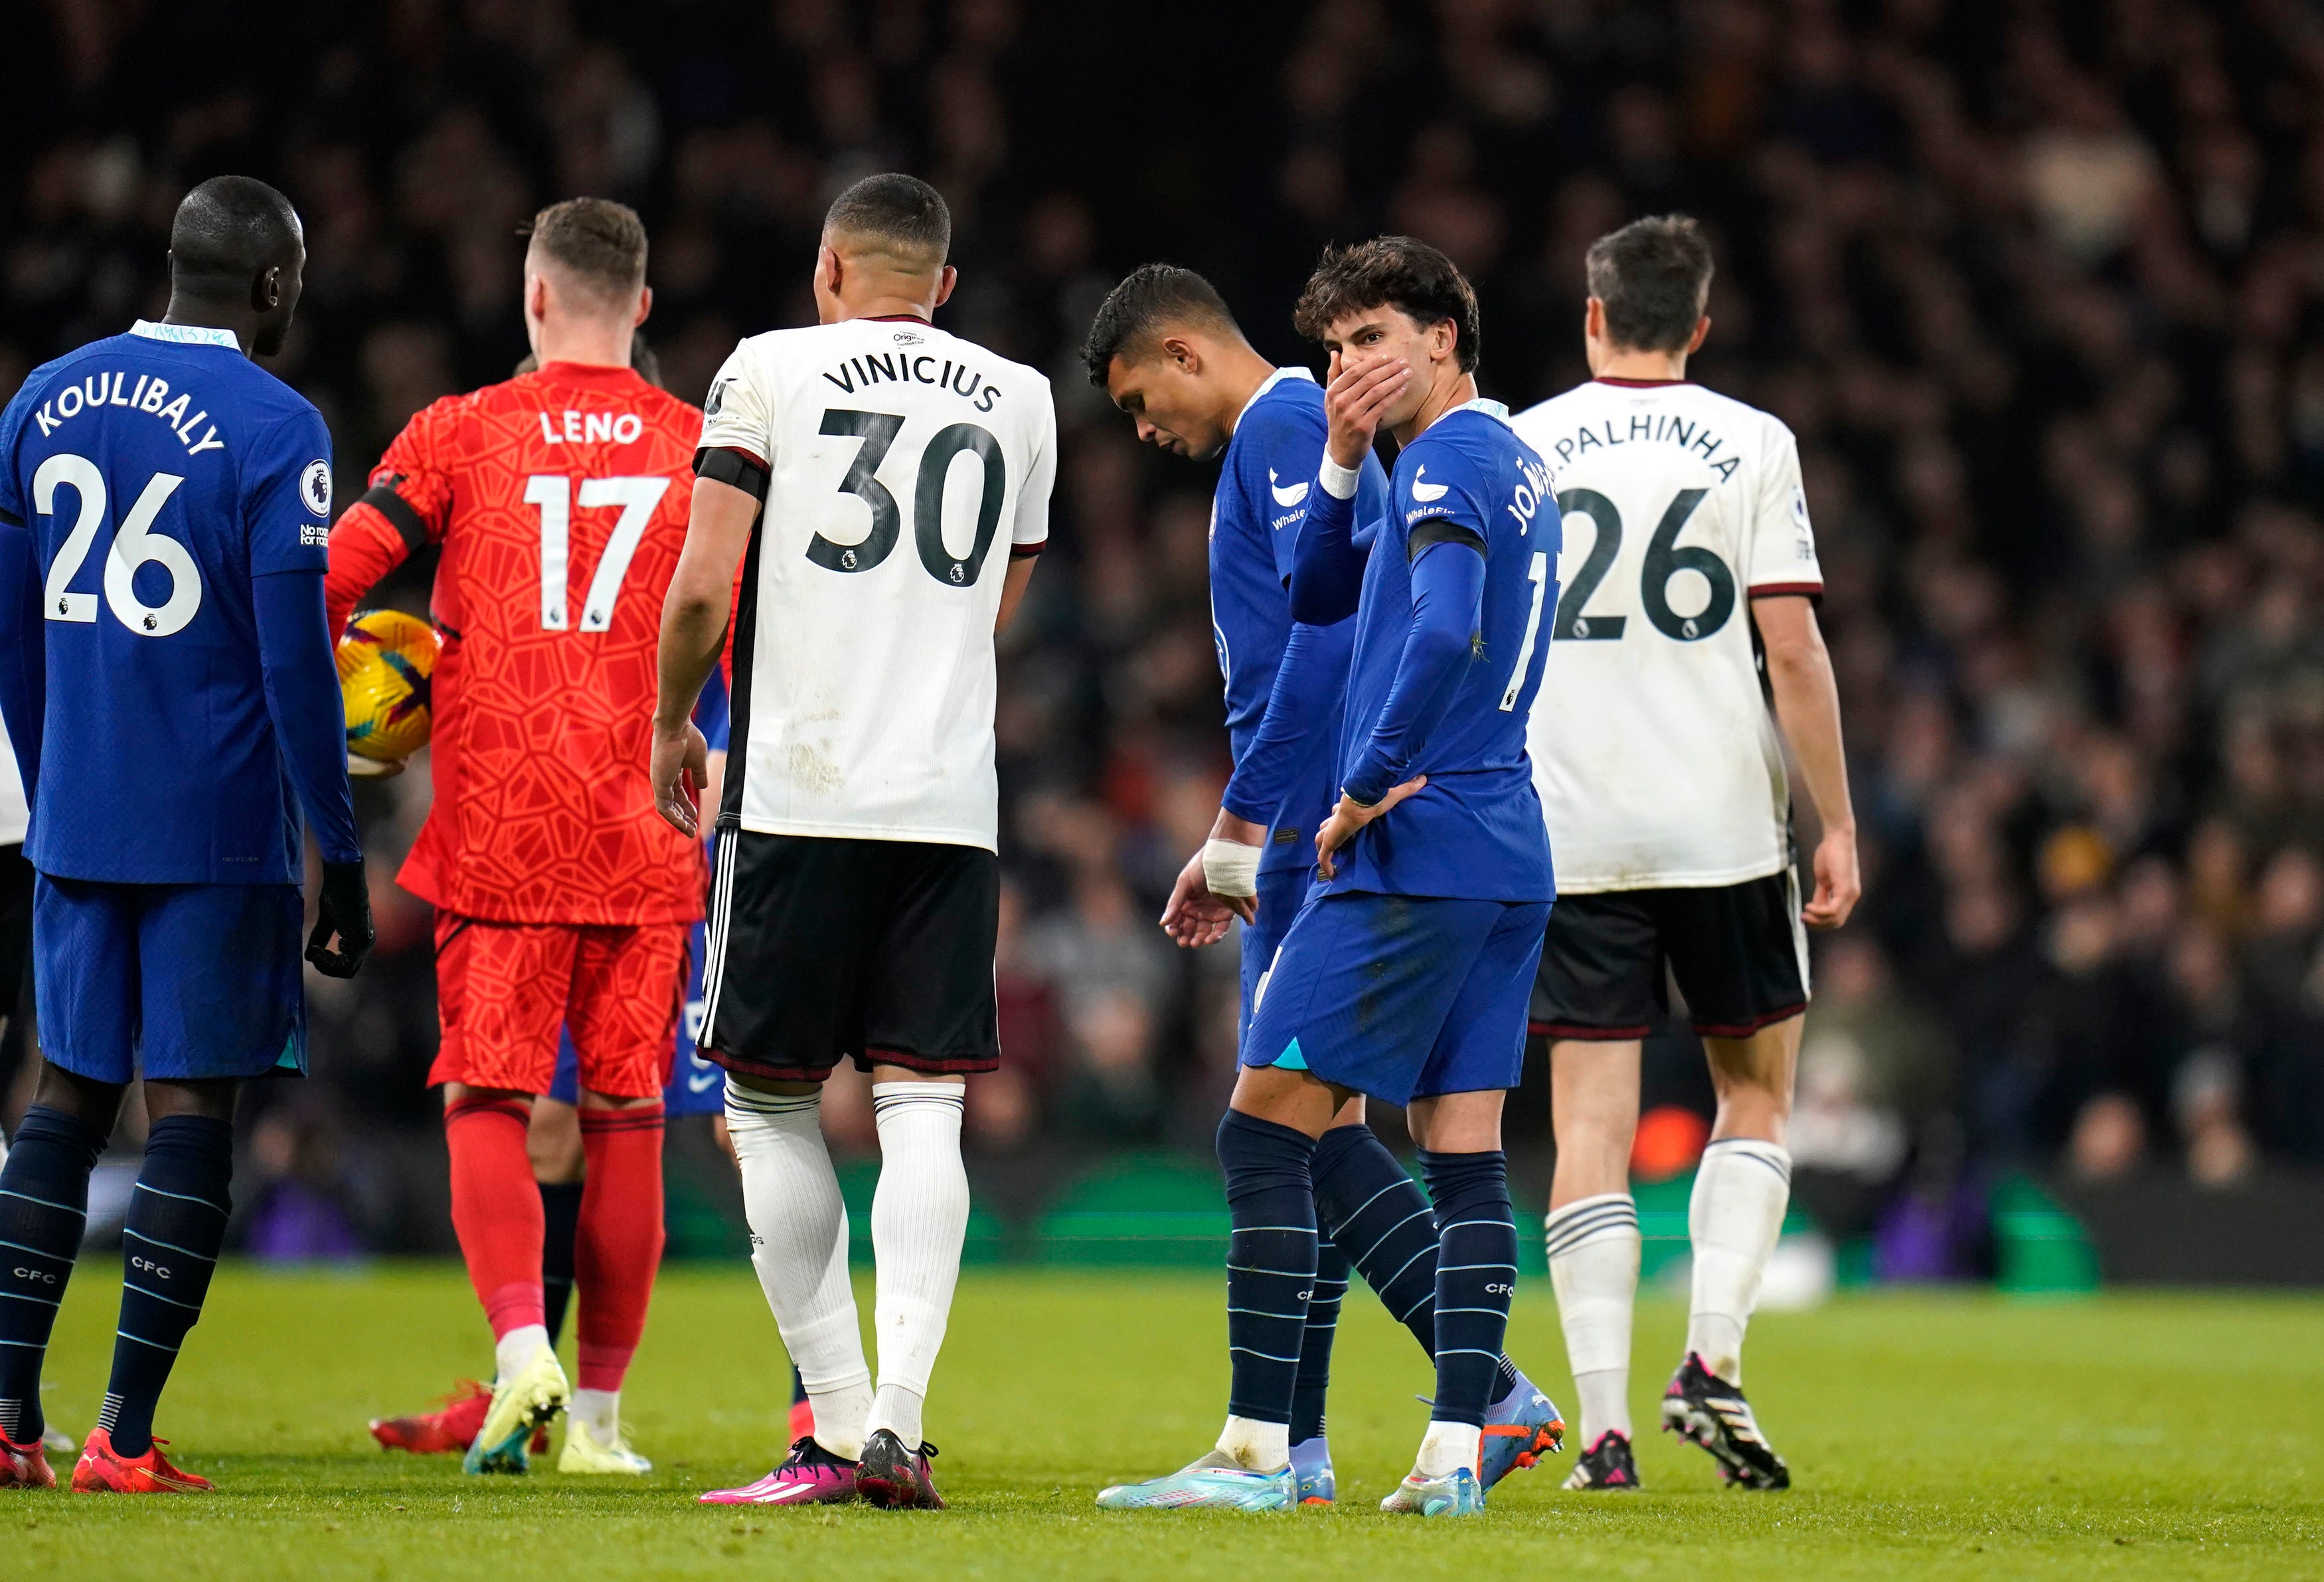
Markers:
512,1350
1593,1263
799,1245
598,1411
1447,1448
1263,1447
1741,1189
919,1218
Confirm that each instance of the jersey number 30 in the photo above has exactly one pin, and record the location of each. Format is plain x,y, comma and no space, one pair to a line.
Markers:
878,431
134,544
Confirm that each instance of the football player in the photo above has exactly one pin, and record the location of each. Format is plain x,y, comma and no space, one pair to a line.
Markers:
904,474
562,901
166,671
1667,800
1404,976
1164,347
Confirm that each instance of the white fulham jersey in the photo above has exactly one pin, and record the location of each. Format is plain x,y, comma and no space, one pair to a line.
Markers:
906,469
1652,744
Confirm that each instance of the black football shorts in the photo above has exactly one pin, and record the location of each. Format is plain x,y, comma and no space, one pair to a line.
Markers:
823,950
1739,952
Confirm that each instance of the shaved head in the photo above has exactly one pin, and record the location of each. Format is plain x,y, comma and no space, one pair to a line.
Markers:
236,256
227,230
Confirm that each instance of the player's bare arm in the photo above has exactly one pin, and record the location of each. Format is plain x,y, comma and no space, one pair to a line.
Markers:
1012,590
1807,706
693,629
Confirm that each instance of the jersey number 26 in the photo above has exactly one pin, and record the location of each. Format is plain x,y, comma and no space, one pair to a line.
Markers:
134,544
1664,560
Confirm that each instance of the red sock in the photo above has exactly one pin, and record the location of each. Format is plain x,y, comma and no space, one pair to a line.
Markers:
618,1249
496,1208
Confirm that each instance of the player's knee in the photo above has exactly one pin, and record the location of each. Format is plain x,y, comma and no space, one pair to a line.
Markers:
1752,1105
82,1098
213,1098
591,1099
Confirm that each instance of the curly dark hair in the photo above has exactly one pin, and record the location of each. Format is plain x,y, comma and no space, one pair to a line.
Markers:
1150,300
1654,276
1396,272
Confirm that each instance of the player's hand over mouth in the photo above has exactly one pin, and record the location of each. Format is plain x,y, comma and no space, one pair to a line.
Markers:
1358,393
1351,816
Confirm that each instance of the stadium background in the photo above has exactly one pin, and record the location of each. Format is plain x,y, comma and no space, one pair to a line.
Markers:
2036,285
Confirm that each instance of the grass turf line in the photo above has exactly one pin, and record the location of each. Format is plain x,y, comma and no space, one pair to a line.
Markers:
1932,1434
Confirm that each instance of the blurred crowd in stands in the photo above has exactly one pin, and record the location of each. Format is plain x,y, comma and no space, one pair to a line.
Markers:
2039,285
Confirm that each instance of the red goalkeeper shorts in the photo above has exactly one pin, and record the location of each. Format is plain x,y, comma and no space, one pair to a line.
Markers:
502,991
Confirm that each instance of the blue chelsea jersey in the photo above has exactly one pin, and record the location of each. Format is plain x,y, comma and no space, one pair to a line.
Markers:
158,472
1263,492
1475,831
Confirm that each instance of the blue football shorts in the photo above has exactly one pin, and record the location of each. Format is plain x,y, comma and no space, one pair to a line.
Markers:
695,1087
1401,996
179,981
1280,895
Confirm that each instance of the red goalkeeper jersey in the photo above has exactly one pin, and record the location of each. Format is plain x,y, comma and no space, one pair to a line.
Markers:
560,499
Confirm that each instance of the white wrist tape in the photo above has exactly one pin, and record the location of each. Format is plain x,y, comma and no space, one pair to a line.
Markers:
1339,482
1229,867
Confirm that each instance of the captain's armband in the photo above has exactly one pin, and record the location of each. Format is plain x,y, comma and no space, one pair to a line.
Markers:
735,468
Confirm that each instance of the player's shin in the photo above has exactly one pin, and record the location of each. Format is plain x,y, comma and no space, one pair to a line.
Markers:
560,1218
1367,1203
170,1246
1476,1274
1368,1206
1593,1263
1314,1380
617,1249
1733,1217
496,1213
919,1219
43,1207
1270,1271
799,1241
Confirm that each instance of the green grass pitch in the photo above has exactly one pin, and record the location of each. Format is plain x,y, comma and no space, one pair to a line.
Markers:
1930,1435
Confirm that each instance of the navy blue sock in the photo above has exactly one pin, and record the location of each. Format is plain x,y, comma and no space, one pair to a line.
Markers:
43,1207
560,1214
1314,1380
169,1246
1270,1260
1476,1273
1366,1203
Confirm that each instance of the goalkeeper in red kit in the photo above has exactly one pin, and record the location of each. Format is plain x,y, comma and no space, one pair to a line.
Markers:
559,499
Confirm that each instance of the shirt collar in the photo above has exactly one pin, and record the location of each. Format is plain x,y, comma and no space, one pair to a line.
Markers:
1498,411
1274,379
187,334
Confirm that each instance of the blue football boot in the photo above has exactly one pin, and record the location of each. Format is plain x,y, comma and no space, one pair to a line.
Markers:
1311,1466
1520,1428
